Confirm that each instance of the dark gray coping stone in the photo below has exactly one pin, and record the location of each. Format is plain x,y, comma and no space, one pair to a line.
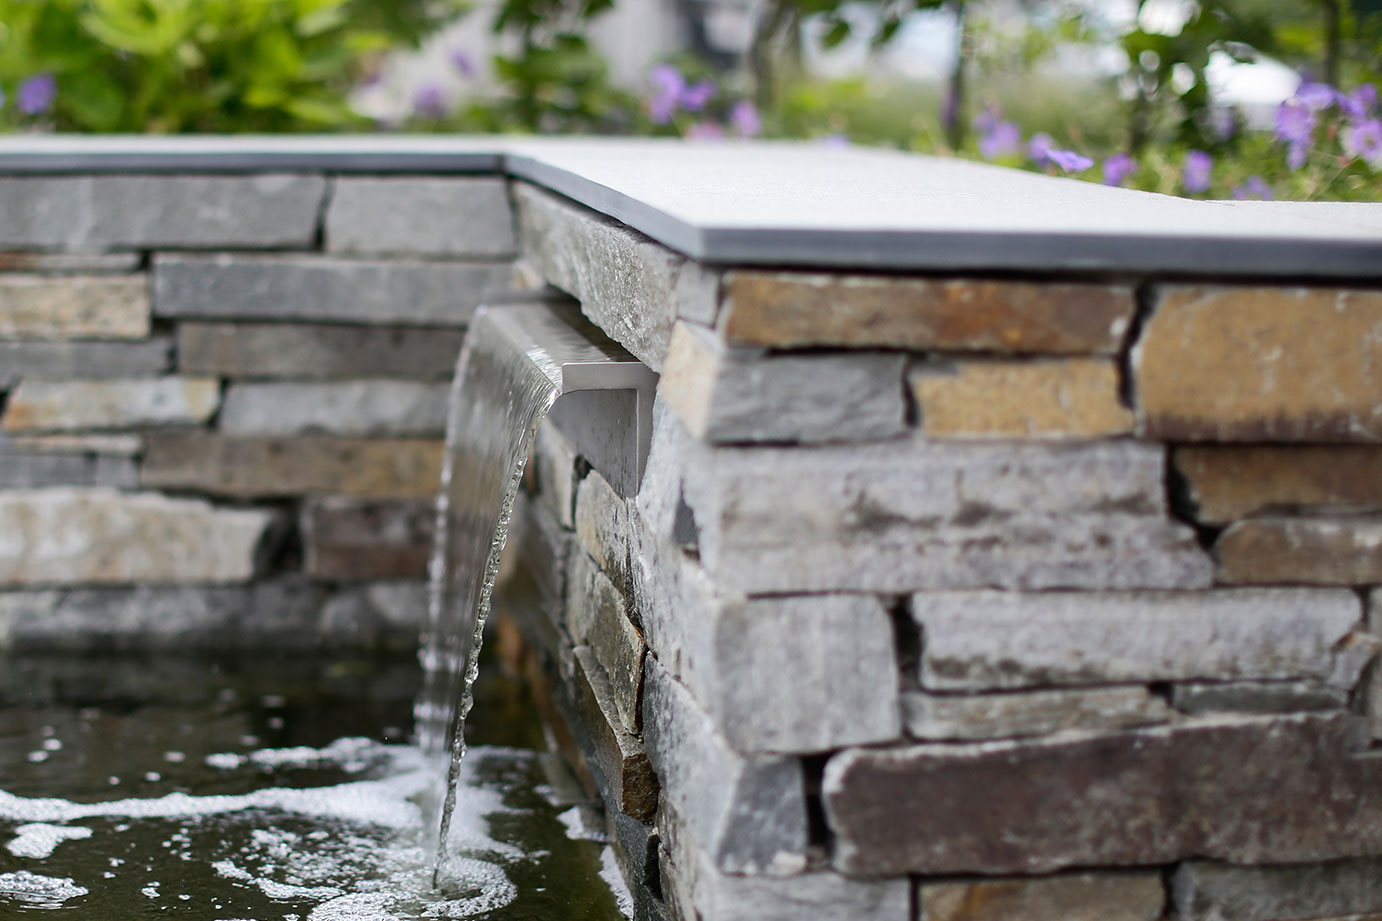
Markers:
801,204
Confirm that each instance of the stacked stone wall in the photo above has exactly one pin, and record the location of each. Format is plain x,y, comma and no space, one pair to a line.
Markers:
973,599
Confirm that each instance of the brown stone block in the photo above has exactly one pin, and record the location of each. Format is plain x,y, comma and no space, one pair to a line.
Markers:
791,310
349,539
618,756
1231,482
402,468
1111,896
95,307
1314,551
1242,789
1076,398
1261,364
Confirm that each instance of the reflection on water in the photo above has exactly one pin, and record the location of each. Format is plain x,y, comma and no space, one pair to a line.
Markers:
268,790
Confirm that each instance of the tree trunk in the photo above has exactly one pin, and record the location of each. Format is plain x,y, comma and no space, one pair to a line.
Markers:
953,111
1332,40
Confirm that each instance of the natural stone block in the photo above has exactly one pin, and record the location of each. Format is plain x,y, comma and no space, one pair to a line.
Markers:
1197,697
1073,398
795,310
100,536
372,292
264,210
348,540
1219,363
1105,896
99,307
378,407
48,406
1315,551
432,216
597,617
557,471
105,445
307,351
741,395
619,758
982,640
1031,713
36,471
1208,891
749,813
64,360
1372,699
542,549
602,528
631,287
1230,482
1242,789
309,464
377,613
70,263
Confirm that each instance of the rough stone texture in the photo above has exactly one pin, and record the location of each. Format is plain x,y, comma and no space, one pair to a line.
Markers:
65,360
246,467
1241,789
741,395
1256,697
377,613
35,471
316,351
910,515
70,263
1315,551
1110,896
1074,398
358,539
782,310
596,616
431,216
749,813
603,527
55,406
1207,891
620,759
631,287
541,548
98,307
104,537
108,445
673,596
373,292
1372,701
557,471
981,640
378,407
1034,713
1226,483
265,210
1303,364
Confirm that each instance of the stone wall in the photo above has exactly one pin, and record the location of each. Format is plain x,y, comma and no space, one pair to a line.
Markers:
223,401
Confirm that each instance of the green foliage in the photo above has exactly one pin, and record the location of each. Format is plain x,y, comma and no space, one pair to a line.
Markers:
200,65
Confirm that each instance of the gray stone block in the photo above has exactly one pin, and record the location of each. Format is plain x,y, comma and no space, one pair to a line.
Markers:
264,210
983,640
1207,891
596,616
602,528
372,292
631,287
70,263
36,471
86,307
377,407
1030,713
624,770
557,472
742,395
311,351
103,405
386,614
1372,697
122,445
350,539
749,812
1100,896
61,360
430,216
1197,697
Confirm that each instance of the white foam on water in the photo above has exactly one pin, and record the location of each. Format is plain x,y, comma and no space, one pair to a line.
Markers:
581,826
614,878
43,891
38,839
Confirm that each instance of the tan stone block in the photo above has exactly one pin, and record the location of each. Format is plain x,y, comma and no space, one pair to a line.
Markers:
399,468
1112,896
1231,482
96,405
1262,364
788,310
1076,398
95,307
1314,551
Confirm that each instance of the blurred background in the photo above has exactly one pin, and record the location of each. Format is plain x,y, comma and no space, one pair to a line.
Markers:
1205,98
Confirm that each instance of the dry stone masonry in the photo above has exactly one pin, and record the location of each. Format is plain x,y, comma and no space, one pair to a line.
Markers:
979,573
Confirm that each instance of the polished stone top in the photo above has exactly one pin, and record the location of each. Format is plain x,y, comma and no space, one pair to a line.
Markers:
795,204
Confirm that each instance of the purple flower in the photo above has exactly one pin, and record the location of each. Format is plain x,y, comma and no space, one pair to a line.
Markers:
1254,188
1003,139
695,96
1070,161
462,61
1316,96
705,131
1196,174
1360,103
428,100
1295,123
668,87
36,94
743,118
1039,148
1364,139
1118,168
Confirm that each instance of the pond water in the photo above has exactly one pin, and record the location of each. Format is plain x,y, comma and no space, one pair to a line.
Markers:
266,790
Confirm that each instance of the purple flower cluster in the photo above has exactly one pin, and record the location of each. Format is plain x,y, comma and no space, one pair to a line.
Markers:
1000,138
36,95
671,94
1298,118
1198,171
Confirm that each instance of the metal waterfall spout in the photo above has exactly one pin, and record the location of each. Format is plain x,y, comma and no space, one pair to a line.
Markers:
518,360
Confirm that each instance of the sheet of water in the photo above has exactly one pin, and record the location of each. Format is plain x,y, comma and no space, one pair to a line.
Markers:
269,791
